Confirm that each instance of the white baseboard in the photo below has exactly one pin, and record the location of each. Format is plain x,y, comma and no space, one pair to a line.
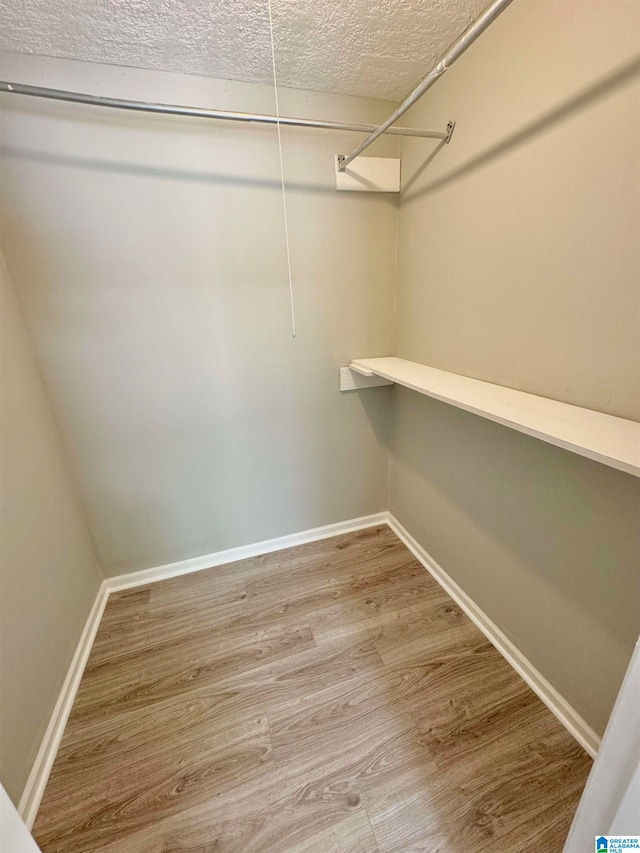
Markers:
232,555
558,706
39,776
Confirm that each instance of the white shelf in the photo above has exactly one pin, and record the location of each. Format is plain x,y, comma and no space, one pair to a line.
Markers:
607,439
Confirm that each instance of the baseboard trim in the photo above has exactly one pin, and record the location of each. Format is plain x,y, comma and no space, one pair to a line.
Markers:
39,776
558,706
232,555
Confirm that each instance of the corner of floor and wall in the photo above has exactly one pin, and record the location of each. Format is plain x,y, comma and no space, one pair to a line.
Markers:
193,422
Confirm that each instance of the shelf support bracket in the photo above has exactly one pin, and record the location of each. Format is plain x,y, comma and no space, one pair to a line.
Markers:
354,378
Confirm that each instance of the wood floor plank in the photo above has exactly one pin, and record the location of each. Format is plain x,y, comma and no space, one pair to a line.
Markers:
337,570
271,687
352,835
276,828
365,611
436,621
188,666
506,790
188,775
404,819
323,788
368,764
327,698
346,601
160,621
474,699
392,690
122,606
100,750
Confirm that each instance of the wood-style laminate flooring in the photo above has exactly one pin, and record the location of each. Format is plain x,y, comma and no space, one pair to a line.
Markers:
330,698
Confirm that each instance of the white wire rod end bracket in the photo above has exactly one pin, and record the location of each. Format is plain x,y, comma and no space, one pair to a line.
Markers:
445,137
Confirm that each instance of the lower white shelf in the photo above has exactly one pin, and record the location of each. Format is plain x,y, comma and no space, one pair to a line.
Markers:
604,438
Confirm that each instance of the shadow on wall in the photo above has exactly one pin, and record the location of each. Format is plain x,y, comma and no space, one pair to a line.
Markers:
497,506
144,171
565,110
377,403
141,170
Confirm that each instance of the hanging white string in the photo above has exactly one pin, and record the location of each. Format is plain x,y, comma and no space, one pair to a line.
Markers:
284,195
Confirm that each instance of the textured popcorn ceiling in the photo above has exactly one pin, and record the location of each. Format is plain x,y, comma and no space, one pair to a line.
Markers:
376,48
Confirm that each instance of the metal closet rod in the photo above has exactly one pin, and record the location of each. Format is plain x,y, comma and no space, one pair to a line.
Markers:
457,49
199,112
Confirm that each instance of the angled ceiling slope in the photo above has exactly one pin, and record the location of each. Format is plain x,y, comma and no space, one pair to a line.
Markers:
373,48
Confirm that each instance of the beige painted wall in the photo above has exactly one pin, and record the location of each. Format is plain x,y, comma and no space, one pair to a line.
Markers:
148,256
519,264
519,253
49,574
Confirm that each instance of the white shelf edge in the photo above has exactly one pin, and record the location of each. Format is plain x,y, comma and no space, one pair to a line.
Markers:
603,438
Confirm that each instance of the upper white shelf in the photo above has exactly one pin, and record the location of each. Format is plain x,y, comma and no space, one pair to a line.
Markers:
607,439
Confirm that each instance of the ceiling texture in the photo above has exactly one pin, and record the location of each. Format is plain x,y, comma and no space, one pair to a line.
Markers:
374,48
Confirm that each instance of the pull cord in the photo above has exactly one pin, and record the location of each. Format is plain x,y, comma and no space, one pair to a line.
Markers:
284,195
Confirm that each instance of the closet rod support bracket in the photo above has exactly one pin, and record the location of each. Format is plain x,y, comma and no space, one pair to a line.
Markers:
451,126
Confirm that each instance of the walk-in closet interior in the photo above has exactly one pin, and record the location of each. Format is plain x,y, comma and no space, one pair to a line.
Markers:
320,426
